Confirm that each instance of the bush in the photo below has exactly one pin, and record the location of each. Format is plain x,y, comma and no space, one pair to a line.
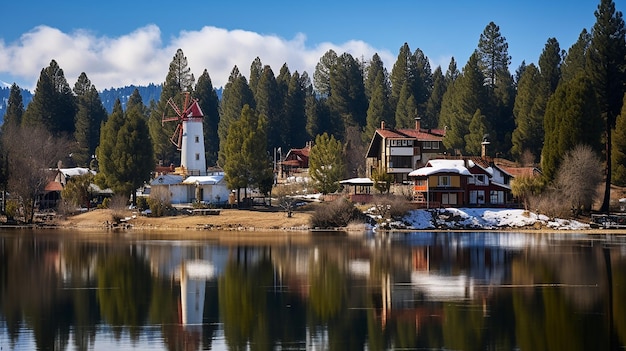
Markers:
391,206
336,214
159,201
142,203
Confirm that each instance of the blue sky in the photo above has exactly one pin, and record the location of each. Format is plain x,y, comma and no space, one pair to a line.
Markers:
119,43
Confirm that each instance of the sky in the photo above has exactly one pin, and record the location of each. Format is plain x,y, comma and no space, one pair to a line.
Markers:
118,43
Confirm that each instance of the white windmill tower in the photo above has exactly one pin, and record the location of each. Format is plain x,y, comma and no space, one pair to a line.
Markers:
188,135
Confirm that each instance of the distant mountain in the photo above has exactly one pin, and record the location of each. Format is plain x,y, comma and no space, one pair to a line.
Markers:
108,96
5,91
148,93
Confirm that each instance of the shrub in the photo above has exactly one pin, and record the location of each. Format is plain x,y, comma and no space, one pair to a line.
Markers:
336,214
391,206
159,201
142,203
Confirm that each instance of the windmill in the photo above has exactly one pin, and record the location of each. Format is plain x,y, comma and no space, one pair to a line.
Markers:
188,135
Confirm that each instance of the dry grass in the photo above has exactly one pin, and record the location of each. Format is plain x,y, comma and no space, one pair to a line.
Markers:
228,219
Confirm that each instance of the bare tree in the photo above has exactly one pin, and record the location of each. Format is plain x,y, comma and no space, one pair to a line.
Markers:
578,178
33,154
287,196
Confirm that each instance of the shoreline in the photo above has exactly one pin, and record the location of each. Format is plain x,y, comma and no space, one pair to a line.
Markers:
247,223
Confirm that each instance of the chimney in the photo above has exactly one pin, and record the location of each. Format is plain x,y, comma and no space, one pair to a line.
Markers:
382,124
483,150
418,123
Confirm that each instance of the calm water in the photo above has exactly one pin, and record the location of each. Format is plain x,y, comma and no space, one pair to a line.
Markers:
409,291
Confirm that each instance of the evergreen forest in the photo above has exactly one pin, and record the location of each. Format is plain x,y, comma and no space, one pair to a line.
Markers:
533,114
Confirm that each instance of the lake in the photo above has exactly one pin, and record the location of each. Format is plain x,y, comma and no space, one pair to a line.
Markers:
62,290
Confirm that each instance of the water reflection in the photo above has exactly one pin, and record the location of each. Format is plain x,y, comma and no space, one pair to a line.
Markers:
463,291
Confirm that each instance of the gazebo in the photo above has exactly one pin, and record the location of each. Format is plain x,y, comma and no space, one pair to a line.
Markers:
362,188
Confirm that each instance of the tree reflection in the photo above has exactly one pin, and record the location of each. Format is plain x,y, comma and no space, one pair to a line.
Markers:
124,290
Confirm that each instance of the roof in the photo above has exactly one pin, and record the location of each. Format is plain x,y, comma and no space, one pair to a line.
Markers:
520,171
53,186
76,171
421,135
407,133
441,166
204,180
167,179
357,181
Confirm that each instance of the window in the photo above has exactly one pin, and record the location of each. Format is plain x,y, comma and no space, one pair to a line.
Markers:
444,181
197,139
430,145
448,199
197,157
480,179
496,197
400,162
477,197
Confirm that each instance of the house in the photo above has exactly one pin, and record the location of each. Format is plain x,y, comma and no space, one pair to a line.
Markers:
400,151
441,182
471,181
296,161
210,189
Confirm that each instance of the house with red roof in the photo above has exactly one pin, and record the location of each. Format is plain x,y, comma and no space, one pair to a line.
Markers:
400,151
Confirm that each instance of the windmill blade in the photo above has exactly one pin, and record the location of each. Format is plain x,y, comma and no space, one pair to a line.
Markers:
170,102
177,137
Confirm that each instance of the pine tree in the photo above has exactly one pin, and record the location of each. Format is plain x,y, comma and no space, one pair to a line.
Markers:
550,64
619,148
294,110
618,154
326,164
89,118
235,96
247,162
572,117
575,60
402,72
494,61
406,109
323,70
479,131
529,110
130,158
379,108
374,68
493,54
53,105
461,100
347,100
422,81
178,80
15,108
107,170
433,105
269,102
209,103
606,66
256,70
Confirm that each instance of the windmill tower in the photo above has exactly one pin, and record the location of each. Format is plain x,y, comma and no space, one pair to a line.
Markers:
188,135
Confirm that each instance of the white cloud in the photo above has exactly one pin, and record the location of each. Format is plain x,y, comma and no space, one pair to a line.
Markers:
141,57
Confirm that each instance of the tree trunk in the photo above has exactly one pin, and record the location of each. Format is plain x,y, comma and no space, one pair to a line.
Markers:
607,184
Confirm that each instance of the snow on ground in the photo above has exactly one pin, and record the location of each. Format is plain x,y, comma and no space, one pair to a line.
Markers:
481,218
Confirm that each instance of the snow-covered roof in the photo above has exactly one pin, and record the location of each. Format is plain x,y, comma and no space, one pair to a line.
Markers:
76,171
357,181
204,180
167,179
441,166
